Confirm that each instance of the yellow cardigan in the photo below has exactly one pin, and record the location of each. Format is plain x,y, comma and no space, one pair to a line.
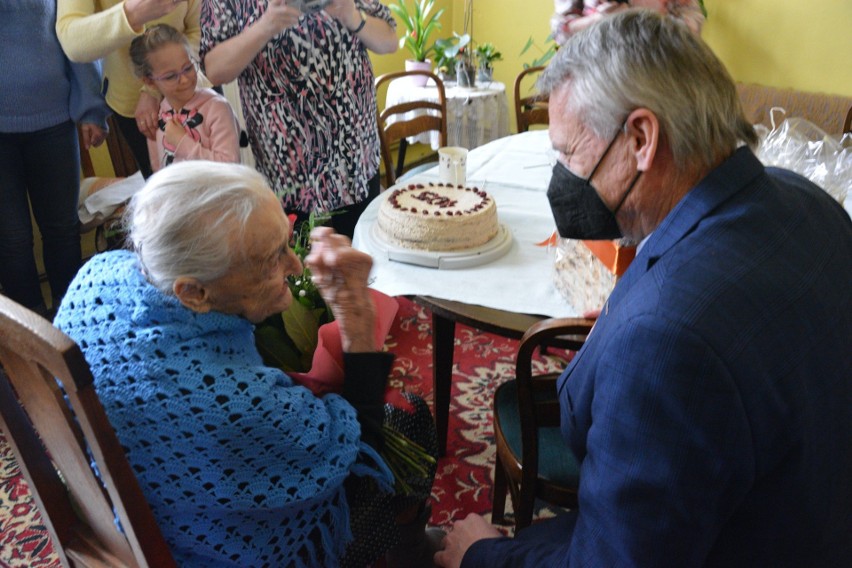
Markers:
98,29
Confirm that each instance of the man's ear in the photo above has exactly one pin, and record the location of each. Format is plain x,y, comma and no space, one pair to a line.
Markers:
643,128
192,294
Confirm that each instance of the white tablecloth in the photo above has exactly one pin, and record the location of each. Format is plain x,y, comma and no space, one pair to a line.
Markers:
474,116
516,172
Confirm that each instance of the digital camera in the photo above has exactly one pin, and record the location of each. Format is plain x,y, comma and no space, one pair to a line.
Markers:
309,6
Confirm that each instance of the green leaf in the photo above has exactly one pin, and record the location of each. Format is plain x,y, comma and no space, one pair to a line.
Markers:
276,349
419,24
302,325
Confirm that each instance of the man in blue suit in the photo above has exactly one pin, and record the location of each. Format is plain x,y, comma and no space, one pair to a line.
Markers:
711,408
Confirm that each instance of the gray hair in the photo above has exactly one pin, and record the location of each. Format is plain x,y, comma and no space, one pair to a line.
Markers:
642,59
183,221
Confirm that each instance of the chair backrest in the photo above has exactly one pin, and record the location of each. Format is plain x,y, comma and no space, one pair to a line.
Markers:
530,109
123,162
397,122
55,424
537,401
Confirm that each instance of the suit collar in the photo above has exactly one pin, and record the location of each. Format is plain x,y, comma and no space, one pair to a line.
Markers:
719,186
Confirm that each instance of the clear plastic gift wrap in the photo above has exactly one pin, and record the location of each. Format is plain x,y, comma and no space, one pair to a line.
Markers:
585,272
799,145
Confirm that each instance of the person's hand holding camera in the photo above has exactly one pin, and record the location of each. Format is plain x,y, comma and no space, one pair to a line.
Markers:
346,12
278,17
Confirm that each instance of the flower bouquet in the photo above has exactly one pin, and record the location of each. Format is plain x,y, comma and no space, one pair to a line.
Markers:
486,55
304,341
288,340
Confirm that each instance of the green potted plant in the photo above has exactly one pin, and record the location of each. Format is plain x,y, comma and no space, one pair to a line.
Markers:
486,55
447,53
288,340
419,23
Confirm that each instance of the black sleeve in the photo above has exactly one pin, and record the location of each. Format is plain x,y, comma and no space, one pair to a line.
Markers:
364,383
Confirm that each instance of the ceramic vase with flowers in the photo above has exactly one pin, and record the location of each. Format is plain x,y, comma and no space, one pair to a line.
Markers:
486,55
448,52
419,22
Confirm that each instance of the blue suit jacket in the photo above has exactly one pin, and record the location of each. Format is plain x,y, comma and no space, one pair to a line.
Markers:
711,408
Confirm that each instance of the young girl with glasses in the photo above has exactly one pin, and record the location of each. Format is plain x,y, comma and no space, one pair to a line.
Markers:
195,123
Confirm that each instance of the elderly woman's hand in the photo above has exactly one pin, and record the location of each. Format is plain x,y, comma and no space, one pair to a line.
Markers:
340,273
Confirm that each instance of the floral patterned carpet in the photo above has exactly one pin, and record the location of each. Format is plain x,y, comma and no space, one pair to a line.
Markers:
465,475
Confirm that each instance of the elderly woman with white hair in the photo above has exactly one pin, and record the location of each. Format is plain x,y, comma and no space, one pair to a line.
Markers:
241,466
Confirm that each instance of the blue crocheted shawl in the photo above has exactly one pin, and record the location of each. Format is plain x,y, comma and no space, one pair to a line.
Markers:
240,466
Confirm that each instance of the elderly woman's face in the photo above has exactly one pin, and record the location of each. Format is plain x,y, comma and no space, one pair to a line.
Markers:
255,285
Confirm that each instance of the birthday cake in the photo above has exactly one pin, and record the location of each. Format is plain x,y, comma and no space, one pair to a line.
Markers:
438,217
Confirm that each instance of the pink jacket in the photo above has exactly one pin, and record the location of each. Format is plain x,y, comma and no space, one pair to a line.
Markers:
212,131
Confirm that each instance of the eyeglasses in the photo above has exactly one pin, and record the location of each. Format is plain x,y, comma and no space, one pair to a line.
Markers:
191,67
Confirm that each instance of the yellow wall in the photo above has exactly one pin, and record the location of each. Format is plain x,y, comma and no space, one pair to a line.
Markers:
781,43
784,43
101,162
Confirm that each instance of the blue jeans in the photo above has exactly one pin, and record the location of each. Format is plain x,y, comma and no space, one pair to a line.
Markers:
39,169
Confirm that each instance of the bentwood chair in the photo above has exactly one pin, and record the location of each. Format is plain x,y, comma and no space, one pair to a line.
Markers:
533,461
123,162
400,121
56,427
530,109
107,236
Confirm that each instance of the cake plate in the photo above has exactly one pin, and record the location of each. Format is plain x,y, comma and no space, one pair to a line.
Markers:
467,258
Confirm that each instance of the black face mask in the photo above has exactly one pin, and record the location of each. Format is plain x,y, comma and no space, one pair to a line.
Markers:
577,208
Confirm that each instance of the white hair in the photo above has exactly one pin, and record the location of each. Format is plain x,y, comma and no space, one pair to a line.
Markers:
182,223
642,59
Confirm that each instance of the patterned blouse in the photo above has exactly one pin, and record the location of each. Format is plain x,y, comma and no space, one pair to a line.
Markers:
309,103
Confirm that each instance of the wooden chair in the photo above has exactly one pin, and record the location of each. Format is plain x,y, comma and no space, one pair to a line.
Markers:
431,116
123,162
123,165
533,461
847,125
531,109
55,424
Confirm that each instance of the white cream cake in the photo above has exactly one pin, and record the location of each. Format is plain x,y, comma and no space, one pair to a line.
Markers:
438,217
